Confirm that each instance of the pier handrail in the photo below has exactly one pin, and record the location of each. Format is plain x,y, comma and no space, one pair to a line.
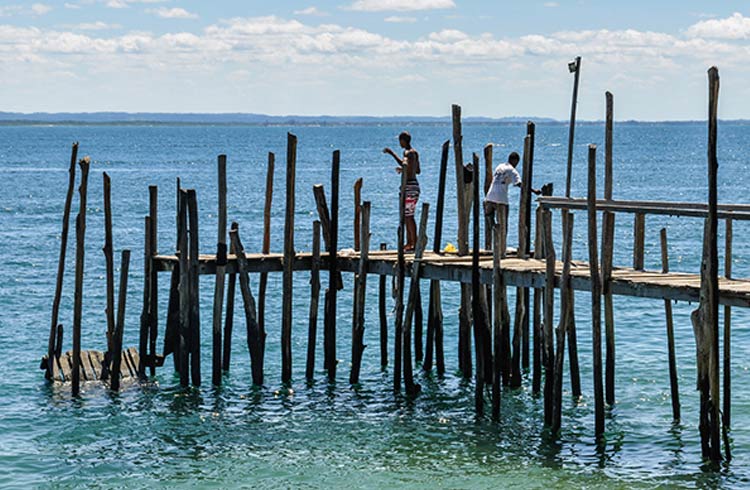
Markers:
740,212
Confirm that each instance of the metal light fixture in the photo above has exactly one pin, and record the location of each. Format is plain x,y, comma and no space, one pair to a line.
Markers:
573,66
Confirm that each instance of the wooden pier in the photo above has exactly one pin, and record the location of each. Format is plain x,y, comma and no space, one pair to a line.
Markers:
499,360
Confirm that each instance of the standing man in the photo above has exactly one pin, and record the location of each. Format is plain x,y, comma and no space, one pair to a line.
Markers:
409,164
496,200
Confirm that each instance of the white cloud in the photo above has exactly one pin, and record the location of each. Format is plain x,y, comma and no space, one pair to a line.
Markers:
40,8
172,13
551,4
122,4
737,26
397,19
72,6
94,26
400,5
314,11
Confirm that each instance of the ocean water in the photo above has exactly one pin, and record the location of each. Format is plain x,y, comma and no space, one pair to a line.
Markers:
333,436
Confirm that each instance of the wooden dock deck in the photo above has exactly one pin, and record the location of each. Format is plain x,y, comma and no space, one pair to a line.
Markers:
528,273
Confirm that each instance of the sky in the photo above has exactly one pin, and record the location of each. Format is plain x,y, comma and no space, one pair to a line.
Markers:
374,57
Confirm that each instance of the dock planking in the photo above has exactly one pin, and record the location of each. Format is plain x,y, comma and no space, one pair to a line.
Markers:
92,366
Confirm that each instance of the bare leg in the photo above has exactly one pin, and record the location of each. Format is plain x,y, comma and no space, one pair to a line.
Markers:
411,233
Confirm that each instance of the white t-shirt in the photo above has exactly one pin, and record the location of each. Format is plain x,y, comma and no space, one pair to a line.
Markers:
504,176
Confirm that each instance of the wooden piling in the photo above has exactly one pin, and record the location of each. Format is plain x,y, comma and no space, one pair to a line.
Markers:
255,336
263,281
399,285
221,262
78,295
329,329
114,380
172,330
673,385
536,376
360,290
435,311
608,238
194,287
727,367
478,319
464,196
145,320
61,259
418,327
383,315
312,331
153,313
575,370
501,320
184,290
410,386
488,171
549,313
504,314
524,220
357,213
639,237
575,66
289,257
109,261
563,325
229,322
596,292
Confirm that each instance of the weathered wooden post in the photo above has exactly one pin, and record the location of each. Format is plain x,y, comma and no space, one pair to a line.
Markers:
549,313
464,196
639,238
262,285
184,290
575,68
153,313
78,295
673,386
435,312
383,315
255,336
500,319
411,387
289,257
109,261
116,347
727,329
145,320
360,289
608,239
564,322
312,331
399,296
596,300
524,220
61,259
221,262
329,330
172,330
194,273
229,322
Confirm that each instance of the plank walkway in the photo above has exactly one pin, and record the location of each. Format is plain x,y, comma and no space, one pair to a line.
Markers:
91,365
517,272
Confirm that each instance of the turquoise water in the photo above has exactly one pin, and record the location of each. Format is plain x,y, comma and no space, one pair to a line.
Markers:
332,436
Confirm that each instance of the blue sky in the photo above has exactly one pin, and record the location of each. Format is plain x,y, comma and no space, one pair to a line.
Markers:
374,57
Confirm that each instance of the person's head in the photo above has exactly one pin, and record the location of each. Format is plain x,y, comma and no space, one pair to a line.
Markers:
514,158
404,139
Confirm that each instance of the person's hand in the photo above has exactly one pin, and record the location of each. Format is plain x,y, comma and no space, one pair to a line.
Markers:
538,192
398,170
387,151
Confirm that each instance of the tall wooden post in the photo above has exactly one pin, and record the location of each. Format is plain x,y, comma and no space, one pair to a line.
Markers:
360,290
639,238
357,213
525,226
574,67
221,261
289,256
411,387
727,329
549,313
596,291
194,273
184,290
153,303
329,331
109,261
78,295
608,238
435,312
400,282
383,316
262,285
229,322
145,320
564,322
61,259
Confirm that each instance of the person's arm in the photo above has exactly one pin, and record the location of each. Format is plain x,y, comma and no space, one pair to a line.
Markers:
392,153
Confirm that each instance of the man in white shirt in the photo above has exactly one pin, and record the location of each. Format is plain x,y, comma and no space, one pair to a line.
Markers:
496,200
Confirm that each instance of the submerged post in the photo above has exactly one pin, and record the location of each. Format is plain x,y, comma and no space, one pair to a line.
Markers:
153,312
608,238
727,329
145,321
565,311
78,296
411,387
289,257
312,331
194,274
383,315
109,261
229,322
262,285
360,290
184,290
329,331
549,313
596,291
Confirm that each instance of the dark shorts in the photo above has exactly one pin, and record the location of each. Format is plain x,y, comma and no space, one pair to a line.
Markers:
411,198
